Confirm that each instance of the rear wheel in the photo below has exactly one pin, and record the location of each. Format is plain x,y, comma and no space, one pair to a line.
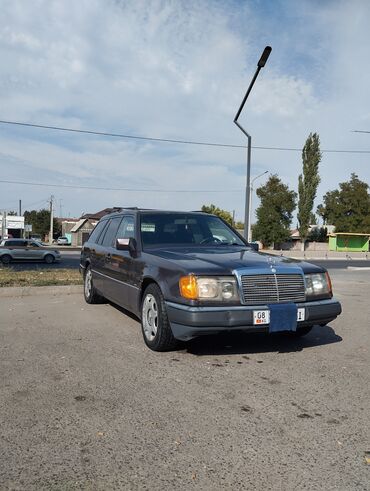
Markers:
155,325
49,258
6,259
90,293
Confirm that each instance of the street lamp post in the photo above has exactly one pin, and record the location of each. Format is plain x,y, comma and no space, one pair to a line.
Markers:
261,63
249,237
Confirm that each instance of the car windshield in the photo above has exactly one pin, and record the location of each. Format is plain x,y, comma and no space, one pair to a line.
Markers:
185,229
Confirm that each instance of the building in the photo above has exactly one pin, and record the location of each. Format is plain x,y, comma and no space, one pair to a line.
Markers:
349,242
11,225
81,230
67,224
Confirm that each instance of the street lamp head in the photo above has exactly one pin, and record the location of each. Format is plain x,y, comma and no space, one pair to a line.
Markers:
264,57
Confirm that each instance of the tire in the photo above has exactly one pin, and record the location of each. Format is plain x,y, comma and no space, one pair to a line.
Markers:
155,325
90,293
6,259
49,259
302,331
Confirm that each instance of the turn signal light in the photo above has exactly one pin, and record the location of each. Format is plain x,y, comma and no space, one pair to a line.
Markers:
188,287
329,283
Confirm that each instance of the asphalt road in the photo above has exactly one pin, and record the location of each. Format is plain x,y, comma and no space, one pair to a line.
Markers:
71,260
85,405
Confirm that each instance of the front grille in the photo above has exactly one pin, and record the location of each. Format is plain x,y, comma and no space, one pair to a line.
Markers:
272,288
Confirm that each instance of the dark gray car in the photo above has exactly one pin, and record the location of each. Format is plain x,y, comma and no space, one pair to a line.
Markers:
186,274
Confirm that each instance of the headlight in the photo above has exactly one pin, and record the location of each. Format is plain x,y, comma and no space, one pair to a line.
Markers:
318,285
213,288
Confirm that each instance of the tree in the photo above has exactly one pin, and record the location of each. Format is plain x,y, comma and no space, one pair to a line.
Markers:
308,183
347,208
214,210
40,221
318,234
274,215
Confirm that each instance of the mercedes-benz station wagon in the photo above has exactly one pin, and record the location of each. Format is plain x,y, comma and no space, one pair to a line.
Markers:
187,274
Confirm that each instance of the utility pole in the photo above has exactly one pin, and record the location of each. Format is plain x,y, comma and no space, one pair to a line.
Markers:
20,207
51,220
261,63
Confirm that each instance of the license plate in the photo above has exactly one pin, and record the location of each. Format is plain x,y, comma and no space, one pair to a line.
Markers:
261,317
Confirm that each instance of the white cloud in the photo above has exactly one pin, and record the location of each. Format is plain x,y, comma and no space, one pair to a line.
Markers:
177,69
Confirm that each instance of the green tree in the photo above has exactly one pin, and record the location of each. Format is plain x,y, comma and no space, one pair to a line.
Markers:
274,215
308,183
214,210
40,221
347,208
318,234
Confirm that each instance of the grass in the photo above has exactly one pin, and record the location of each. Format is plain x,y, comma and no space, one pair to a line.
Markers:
38,277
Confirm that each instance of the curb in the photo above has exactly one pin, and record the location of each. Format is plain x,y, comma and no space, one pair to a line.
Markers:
26,291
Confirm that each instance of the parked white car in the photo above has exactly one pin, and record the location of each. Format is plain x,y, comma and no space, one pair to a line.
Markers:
63,241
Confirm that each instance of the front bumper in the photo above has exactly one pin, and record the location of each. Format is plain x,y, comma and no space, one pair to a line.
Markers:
188,322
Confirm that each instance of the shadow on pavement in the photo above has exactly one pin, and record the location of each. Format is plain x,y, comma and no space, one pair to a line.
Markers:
243,343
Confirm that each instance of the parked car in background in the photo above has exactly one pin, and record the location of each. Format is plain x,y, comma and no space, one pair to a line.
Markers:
36,237
63,241
187,274
26,250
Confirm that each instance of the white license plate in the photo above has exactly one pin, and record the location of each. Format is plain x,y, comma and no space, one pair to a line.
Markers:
261,317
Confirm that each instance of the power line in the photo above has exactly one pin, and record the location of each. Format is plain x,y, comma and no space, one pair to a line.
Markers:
360,131
72,186
167,140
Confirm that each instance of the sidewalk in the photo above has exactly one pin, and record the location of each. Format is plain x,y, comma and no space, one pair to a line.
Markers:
320,254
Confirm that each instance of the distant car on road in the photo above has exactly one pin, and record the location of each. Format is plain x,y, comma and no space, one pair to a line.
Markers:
187,274
36,237
63,241
26,250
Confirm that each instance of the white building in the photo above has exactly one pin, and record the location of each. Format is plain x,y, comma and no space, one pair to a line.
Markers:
11,226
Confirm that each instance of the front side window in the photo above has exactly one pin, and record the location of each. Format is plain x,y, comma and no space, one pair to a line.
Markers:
111,232
126,230
185,229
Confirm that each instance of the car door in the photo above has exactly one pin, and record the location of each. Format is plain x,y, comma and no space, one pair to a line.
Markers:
34,251
95,251
122,267
17,248
103,254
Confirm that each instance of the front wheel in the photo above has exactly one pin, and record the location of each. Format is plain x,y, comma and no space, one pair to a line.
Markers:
49,259
155,325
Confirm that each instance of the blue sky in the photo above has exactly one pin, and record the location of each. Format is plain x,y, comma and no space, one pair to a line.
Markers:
177,69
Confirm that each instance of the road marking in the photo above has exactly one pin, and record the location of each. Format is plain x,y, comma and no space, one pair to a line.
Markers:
358,268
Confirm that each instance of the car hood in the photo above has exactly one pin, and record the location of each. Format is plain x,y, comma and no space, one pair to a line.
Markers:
225,259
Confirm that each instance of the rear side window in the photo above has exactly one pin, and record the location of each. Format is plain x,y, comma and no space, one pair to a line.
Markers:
94,236
111,232
13,243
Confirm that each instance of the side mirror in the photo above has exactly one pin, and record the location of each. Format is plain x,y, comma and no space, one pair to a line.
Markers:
254,246
126,245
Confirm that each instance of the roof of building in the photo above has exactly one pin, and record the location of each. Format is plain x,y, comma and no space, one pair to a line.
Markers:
99,214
